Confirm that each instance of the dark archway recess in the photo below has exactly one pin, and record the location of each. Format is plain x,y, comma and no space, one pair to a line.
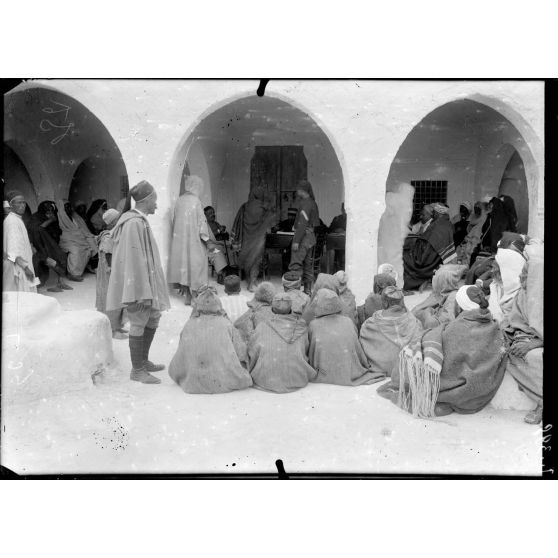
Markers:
16,177
462,146
222,147
57,136
514,184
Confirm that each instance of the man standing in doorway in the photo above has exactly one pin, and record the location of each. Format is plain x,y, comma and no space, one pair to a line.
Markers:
137,281
304,238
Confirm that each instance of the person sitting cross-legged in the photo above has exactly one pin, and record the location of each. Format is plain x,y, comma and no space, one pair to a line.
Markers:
335,351
388,330
278,350
373,301
211,353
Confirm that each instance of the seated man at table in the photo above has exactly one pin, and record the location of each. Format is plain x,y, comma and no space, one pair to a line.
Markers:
336,236
286,226
278,350
217,251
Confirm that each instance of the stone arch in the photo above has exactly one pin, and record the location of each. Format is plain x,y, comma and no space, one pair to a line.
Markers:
54,133
480,171
193,149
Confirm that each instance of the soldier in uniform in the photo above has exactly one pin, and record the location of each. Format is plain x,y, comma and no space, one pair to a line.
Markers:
304,238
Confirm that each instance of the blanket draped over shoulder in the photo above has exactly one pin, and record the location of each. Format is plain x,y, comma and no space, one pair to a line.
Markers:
439,307
457,366
209,356
384,335
188,264
249,229
136,274
424,253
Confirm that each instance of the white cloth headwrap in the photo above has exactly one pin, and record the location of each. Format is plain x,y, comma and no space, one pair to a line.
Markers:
511,264
463,299
389,269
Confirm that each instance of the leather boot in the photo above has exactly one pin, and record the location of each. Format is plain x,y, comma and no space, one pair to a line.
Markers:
139,373
148,334
187,296
308,288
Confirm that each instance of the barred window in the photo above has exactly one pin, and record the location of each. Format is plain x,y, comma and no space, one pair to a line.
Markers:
428,191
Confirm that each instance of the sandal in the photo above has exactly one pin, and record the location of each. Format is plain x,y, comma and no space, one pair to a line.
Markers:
534,416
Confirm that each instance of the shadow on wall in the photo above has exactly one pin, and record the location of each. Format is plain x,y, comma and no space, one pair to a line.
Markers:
394,227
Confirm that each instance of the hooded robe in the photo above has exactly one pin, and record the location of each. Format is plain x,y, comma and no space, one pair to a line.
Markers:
278,354
335,352
188,264
384,335
209,356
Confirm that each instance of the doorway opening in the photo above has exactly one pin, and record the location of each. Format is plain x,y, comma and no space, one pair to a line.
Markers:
465,144
260,141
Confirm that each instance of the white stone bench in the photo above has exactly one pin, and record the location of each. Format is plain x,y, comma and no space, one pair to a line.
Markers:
47,351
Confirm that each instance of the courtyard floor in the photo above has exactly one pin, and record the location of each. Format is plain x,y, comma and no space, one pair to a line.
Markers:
119,426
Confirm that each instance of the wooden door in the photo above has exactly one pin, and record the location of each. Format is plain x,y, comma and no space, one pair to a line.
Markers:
278,169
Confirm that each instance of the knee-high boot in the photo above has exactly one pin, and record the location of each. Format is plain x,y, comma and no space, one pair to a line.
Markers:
139,373
148,334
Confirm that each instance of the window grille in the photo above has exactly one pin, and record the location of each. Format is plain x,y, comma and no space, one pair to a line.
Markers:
428,191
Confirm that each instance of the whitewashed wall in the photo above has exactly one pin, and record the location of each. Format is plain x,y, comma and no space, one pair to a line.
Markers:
366,122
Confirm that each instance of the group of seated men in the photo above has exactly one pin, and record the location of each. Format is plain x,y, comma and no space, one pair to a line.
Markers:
449,354
63,237
436,239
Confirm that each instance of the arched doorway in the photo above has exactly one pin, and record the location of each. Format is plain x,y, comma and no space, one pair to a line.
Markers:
60,140
458,152
259,140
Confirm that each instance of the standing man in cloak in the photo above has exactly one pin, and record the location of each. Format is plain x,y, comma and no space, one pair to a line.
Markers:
137,282
304,238
188,261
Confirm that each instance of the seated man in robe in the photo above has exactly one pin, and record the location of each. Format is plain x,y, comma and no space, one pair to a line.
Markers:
278,350
439,307
335,351
523,328
44,234
424,253
425,220
388,330
18,272
292,283
210,352
373,301
326,281
455,367
338,228
460,223
76,240
259,309
347,297
235,304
